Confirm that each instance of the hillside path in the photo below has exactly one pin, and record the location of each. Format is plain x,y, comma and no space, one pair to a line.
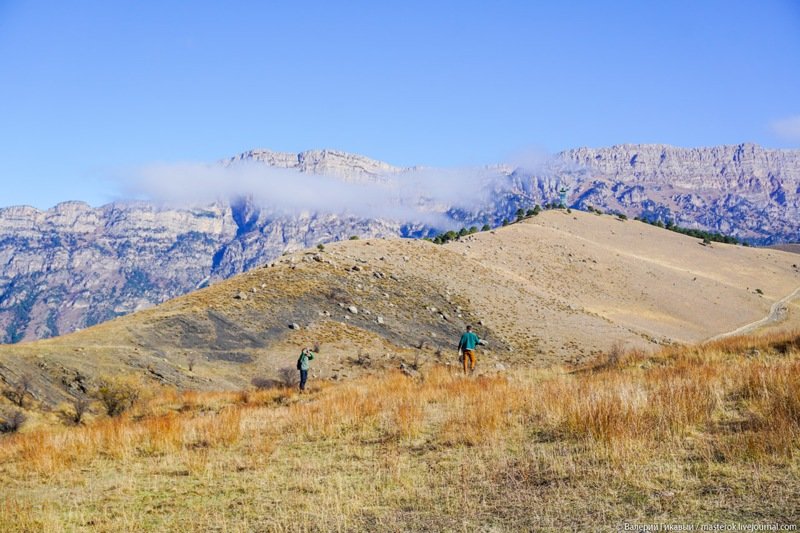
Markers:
776,313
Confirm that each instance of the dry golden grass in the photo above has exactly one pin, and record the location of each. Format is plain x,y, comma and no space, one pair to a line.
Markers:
688,435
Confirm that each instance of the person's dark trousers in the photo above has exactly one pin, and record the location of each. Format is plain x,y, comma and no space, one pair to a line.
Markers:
303,379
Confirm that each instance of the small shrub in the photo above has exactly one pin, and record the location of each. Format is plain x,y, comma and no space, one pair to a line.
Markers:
321,247
244,396
288,376
117,394
622,216
80,406
262,383
759,291
486,227
353,237
10,423
19,390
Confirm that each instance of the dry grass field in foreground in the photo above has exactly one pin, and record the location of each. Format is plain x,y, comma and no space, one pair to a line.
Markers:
689,435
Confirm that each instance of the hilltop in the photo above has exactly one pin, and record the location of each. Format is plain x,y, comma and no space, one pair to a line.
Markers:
558,288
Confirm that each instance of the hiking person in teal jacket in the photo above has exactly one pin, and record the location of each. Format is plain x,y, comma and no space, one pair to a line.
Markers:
302,365
466,346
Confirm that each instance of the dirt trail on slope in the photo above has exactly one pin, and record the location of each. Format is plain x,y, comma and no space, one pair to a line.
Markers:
777,313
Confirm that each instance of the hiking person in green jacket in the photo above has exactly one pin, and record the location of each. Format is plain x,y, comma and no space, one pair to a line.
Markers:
466,346
302,365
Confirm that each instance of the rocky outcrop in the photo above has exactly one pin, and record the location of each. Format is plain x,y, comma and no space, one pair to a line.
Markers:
74,265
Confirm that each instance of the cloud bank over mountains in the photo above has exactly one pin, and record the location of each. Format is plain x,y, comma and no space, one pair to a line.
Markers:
417,194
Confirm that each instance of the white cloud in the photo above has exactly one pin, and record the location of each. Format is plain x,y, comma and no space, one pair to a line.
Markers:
419,195
787,128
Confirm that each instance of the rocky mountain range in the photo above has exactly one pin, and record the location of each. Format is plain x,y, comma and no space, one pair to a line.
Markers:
74,265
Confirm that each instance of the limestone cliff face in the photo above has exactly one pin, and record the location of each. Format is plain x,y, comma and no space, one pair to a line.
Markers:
750,192
74,265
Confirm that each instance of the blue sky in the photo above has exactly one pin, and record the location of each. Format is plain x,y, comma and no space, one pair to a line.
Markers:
92,89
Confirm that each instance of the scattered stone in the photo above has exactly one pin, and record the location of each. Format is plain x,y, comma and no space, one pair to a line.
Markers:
355,268
263,285
379,320
444,317
353,309
317,258
480,322
406,258
378,274
240,296
294,325
254,290
500,367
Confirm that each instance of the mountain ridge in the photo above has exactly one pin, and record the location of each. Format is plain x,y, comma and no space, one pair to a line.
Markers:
75,265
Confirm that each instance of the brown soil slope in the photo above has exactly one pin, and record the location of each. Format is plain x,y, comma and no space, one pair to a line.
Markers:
556,288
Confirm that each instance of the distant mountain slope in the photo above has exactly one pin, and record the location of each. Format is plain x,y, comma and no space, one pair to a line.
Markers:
558,287
747,191
73,265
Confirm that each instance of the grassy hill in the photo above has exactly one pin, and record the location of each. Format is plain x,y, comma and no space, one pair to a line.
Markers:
557,288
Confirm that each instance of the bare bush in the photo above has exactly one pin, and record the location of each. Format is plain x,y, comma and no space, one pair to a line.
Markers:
244,396
262,383
190,361
288,376
11,422
363,359
615,354
117,394
339,295
19,390
80,406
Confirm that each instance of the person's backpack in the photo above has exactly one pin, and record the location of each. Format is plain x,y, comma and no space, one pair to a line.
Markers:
300,363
